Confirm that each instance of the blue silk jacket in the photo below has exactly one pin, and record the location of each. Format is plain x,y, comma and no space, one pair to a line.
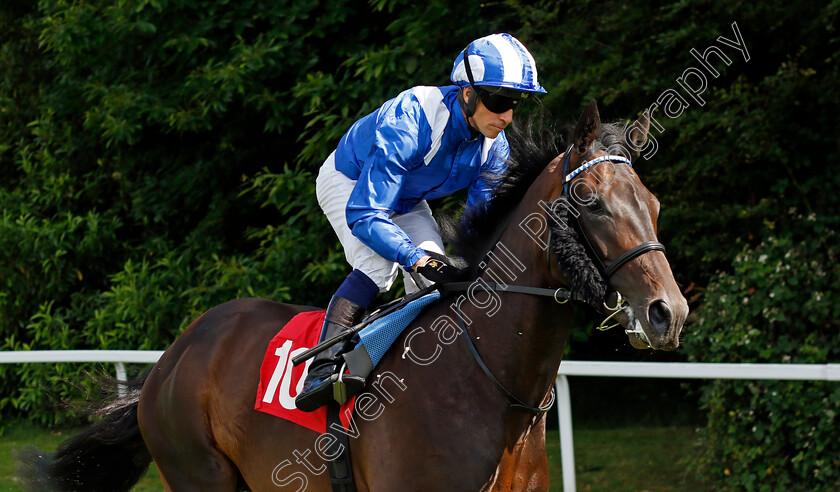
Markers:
415,147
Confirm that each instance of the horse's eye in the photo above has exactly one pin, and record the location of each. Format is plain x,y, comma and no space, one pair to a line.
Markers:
594,207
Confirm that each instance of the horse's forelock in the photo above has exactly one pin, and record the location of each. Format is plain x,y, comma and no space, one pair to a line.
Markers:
610,139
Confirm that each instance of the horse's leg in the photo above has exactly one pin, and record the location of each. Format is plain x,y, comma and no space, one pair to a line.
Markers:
197,412
166,486
175,412
174,430
187,462
524,467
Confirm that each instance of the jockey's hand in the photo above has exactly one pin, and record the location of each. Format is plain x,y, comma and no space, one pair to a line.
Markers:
437,269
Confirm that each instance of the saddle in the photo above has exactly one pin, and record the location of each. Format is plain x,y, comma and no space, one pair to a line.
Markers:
282,371
289,353
378,333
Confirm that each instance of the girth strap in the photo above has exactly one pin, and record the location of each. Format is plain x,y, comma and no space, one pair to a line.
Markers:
341,468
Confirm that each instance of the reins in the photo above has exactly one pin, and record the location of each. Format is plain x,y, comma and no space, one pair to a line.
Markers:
515,402
560,295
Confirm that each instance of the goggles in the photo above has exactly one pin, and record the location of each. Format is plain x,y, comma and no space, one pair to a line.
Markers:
501,100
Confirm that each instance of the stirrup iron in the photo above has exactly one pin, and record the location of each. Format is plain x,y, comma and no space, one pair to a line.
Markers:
339,388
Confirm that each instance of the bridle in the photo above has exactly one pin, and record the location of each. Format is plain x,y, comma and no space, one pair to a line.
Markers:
624,258
562,295
607,271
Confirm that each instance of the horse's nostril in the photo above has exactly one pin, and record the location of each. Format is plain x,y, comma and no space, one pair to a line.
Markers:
659,315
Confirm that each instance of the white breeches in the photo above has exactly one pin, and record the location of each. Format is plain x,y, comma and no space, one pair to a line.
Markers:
333,189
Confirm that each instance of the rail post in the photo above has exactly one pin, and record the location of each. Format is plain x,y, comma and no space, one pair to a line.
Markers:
564,418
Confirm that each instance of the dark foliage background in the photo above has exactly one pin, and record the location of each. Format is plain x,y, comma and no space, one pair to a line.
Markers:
157,157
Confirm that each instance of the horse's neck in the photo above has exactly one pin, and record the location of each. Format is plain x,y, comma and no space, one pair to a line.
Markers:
520,336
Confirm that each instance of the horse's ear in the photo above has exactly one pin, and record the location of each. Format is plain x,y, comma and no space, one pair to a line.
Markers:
638,133
587,128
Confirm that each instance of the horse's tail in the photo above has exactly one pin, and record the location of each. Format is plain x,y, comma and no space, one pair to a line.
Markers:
108,456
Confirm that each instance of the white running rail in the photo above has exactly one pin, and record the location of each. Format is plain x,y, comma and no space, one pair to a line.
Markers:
118,357
679,370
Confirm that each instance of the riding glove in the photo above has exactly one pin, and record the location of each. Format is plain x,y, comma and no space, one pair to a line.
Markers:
438,270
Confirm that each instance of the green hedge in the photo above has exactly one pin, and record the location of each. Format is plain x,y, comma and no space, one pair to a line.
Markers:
157,158
775,306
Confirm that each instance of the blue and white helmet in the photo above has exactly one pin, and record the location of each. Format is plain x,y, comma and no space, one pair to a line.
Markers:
497,60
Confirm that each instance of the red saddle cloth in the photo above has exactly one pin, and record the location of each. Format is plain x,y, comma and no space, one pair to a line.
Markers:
280,381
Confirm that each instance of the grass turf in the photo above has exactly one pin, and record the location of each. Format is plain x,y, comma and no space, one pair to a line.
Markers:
19,437
628,459
631,459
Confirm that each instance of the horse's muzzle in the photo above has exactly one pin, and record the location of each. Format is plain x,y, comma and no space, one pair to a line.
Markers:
664,323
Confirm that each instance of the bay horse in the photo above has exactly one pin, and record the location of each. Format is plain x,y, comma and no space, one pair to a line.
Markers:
431,419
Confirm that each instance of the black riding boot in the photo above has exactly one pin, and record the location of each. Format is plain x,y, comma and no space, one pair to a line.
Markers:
323,372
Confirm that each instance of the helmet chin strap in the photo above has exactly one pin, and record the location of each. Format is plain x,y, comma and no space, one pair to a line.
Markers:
468,106
469,110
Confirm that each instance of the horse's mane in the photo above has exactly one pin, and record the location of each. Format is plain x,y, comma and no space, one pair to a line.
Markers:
533,144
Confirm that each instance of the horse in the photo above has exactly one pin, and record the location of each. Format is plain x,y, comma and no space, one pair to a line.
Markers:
432,417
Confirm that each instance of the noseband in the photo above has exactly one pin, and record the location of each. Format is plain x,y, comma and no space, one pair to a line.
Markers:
606,271
561,295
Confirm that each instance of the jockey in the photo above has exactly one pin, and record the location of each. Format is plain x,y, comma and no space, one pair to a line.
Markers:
426,143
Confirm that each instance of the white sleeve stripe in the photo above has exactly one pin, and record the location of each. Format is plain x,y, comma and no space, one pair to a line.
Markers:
437,114
485,149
